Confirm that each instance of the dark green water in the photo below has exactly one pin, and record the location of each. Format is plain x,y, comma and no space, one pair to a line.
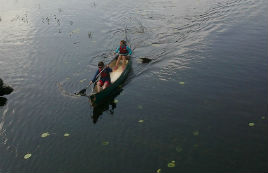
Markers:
191,104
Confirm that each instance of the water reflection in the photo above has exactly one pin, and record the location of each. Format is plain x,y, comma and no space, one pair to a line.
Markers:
3,101
108,105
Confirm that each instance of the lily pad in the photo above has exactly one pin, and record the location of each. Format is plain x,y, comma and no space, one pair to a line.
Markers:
115,101
251,124
196,133
46,134
171,164
66,134
158,170
105,143
27,156
179,149
141,121
181,83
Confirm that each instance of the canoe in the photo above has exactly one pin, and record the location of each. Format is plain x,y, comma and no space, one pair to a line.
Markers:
117,78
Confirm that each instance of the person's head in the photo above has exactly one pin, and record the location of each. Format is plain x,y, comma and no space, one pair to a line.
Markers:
123,43
100,64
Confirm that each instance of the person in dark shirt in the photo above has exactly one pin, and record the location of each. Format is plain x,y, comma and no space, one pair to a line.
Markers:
105,79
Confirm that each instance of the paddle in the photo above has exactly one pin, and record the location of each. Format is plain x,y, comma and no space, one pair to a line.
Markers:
82,92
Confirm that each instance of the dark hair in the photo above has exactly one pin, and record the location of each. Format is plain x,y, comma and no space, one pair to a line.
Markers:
101,64
124,42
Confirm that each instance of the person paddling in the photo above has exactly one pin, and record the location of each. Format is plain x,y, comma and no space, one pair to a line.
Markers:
124,52
105,79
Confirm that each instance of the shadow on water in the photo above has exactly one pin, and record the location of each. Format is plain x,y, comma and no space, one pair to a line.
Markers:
3,101
109,104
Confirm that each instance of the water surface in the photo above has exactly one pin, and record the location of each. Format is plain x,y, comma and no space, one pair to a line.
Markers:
191,104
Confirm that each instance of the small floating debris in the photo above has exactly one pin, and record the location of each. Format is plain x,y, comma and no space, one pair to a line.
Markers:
158,171
181,83
46,134
115,101
66,134
105,143
196,133
263,117
251,124
71,22
171,164
76,42
141,121
27,156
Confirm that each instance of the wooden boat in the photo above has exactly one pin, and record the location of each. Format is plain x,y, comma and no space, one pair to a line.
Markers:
117,78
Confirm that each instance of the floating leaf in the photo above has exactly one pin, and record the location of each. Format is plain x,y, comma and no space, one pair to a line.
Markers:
181,83
171,164
141,121
263,117
140,107
179,149
251,124
196,133
46,134
158,170
66,134
105,143
27,156
115,101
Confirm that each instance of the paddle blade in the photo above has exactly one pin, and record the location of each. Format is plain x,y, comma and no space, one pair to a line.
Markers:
82,92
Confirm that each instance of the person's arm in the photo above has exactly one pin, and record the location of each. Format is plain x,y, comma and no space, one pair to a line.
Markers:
129,51
109,69
95,77
117,50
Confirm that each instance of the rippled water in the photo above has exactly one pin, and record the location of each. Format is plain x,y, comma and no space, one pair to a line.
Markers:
191,104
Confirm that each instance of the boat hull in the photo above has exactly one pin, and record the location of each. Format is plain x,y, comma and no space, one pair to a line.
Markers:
98,98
